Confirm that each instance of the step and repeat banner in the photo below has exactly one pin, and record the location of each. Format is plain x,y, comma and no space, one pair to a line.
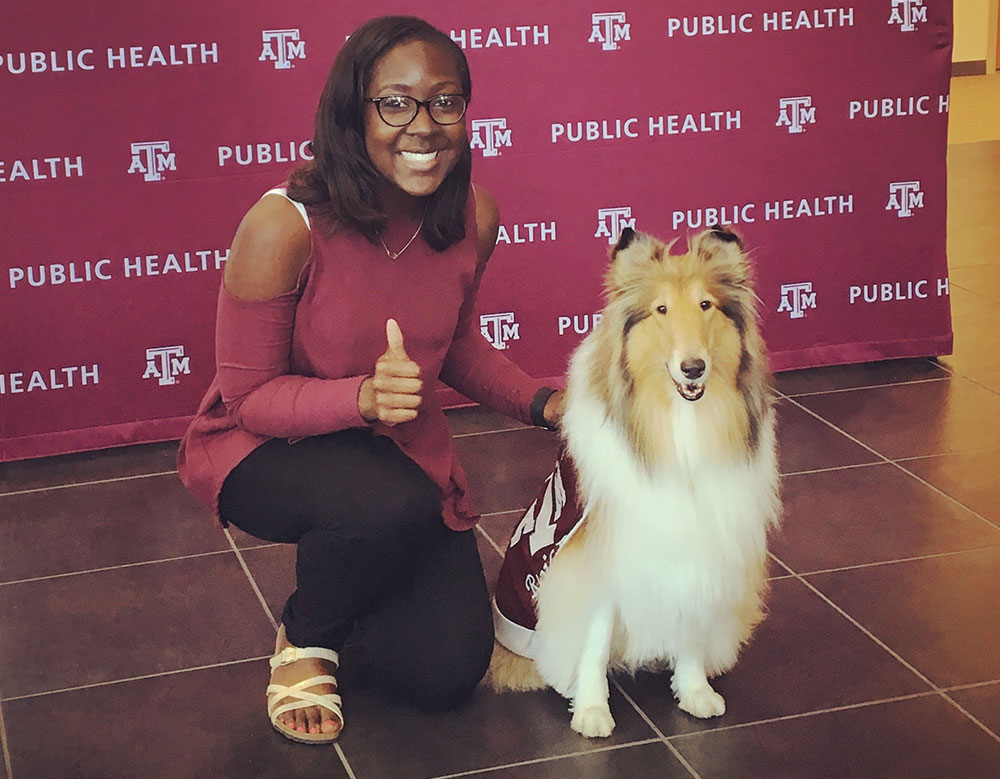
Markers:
135,136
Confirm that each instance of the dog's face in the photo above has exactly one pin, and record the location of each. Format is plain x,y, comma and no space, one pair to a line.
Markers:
680,327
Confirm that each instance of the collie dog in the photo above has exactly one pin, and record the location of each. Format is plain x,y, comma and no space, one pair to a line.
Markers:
647,545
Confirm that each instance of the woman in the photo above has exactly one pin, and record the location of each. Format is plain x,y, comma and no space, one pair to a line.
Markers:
343,300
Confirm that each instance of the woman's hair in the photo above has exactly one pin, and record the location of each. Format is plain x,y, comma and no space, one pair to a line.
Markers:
341,182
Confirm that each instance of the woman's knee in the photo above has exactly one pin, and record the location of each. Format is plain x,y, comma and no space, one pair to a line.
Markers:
449,681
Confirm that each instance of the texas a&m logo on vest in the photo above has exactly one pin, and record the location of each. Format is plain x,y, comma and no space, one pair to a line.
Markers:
282,47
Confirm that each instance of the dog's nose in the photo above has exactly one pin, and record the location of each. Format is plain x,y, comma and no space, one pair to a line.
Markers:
693,369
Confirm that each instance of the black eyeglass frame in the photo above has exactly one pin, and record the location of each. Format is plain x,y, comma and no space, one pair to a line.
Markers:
426,104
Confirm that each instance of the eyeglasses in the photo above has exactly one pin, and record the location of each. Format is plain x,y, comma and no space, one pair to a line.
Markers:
400,110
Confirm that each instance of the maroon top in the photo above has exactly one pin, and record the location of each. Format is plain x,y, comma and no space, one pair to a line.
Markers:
292,366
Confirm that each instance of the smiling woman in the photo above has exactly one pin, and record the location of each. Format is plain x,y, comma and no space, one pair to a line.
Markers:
345,298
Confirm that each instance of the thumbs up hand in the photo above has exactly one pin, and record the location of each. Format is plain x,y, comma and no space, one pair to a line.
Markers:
393,393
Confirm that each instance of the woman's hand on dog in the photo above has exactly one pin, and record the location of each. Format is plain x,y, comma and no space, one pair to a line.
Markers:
554,408
392,394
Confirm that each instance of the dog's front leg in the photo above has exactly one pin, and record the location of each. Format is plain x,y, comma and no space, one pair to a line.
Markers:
591,715
691,688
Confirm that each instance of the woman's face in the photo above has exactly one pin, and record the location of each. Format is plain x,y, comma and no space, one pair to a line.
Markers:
415,158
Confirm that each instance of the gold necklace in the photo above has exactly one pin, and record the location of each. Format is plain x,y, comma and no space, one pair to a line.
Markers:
394,255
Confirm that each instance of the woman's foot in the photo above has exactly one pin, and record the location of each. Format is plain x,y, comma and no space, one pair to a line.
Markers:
314,720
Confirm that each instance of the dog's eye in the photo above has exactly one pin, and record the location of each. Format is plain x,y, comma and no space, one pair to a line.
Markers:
661,309
706,304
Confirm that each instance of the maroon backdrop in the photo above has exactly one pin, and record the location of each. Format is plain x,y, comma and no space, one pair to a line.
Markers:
135,137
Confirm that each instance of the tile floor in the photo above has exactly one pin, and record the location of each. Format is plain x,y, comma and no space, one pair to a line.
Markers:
133,633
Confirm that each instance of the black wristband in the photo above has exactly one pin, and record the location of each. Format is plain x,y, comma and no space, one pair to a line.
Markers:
538,407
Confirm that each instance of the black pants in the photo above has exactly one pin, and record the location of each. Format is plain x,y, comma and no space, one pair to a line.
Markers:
374,560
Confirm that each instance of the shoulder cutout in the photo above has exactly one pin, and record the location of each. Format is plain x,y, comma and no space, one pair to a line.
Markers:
269,250
487,222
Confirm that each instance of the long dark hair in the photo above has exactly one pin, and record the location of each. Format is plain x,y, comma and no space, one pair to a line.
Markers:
340,182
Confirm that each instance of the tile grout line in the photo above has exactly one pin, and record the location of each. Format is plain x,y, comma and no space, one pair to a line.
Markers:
663,739
136,678
975,720
550,759
892,462
86,483
267,611
868,633
878,563
864,387
805,714
115,567
491,432
492,543
253,582
4,746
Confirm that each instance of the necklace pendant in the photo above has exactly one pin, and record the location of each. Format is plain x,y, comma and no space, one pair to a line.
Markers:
393,255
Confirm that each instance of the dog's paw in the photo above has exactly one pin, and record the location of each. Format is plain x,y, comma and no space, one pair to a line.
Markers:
702,702
593,721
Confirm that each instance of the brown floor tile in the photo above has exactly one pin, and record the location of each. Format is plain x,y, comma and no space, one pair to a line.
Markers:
806,443
970,478
98,525
803,657
501,526
477,419
873,514
869,374
507,469
384,739
491,560
940,614
934,417
983,703
912,739
88,466
125,622
208,723
643,761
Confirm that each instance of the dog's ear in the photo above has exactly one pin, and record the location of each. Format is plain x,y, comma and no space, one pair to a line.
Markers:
627,236
718,243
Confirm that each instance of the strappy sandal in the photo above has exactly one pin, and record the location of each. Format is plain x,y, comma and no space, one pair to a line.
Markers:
302,698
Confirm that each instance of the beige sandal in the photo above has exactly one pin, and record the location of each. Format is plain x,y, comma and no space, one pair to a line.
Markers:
303,699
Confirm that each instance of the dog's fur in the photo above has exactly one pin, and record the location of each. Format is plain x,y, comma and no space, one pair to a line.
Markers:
678,481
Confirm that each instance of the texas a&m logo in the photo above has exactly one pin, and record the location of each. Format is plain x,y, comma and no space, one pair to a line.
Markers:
166,363
609,30
904,197
611,222
796,298
907,14
281,47
498,329
151,159
490,135
795,113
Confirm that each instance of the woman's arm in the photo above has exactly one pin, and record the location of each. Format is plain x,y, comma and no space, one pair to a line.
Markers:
472,366
254,329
